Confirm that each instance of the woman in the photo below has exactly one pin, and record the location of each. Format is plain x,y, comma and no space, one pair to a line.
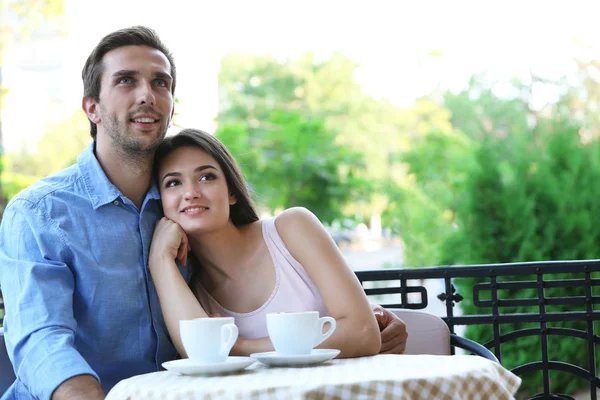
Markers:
245,267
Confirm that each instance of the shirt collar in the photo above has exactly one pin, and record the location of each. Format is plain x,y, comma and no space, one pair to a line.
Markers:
99,188
153,193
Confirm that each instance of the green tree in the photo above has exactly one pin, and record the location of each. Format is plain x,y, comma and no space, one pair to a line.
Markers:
251,87
478,112
422,208
295,161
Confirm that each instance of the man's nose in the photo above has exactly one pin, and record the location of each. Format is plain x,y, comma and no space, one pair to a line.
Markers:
146,94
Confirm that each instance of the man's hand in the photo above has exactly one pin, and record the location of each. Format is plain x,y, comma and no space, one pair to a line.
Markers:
80,387
393,331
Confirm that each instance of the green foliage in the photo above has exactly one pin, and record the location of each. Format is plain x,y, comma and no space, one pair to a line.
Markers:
294,161
57,149
478,113
491,189
422,208
419,221
13,183
580,100
532,196
252,87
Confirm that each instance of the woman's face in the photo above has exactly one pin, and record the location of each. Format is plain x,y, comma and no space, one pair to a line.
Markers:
194,190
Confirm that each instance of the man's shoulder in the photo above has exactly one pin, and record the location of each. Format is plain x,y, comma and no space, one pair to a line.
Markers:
64,183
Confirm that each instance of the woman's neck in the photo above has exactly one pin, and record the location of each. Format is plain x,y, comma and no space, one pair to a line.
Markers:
223,253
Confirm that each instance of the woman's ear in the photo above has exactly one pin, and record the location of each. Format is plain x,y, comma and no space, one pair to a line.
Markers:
232,199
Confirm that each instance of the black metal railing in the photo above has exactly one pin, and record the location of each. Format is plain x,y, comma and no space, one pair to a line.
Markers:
491,289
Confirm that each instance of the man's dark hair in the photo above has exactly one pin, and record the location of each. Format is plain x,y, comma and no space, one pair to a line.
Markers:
134,36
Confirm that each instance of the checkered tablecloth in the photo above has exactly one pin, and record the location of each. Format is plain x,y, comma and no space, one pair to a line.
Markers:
383,376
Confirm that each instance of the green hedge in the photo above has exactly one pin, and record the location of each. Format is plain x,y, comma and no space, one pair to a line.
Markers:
531,197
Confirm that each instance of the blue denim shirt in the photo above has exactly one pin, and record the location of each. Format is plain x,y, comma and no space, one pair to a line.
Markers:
78,294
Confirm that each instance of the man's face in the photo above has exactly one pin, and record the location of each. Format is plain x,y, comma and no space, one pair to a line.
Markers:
136,103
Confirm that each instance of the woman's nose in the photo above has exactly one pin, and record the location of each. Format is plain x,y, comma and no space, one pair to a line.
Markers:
191,194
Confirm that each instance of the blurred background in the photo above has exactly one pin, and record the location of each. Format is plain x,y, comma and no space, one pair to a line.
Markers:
421,133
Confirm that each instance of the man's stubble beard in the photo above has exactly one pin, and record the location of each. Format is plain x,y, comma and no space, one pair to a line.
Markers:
133,148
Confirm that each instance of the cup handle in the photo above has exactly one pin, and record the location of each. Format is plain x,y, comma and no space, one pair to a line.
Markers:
230,334
321,337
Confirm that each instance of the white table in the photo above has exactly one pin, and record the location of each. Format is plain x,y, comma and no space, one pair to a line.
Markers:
383,376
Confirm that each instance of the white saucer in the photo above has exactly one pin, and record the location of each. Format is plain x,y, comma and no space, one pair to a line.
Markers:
317,356
188,367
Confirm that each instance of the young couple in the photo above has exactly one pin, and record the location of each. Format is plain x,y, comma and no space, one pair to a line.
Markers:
244,267
84,293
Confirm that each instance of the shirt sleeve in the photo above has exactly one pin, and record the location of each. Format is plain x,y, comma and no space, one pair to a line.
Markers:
38,286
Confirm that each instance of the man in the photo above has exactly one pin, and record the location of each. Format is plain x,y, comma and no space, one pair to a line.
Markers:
81,309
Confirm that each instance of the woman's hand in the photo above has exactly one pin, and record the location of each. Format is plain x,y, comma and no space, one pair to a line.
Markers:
177,300
168,242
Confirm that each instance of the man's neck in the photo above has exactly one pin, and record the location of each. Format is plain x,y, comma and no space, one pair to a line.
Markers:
130,174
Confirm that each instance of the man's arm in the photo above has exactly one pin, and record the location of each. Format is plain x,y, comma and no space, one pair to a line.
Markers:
38,287
84,387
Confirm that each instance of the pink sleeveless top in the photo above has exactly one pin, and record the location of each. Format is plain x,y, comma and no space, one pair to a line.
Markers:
294,290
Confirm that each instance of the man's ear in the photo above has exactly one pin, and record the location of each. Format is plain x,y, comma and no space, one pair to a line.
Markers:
91,109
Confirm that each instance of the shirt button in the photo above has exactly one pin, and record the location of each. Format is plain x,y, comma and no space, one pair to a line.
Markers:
116,202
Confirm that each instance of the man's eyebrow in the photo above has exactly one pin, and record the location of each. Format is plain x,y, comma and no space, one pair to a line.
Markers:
125,72
198,169
163,75
131,72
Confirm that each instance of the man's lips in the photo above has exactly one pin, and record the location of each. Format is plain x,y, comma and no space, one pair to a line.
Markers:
145,119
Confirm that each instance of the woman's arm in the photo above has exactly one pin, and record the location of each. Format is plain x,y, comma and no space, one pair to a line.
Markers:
357,333
176,299
245,347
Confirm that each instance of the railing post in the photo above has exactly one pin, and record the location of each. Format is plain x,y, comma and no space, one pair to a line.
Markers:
495,313
590,333
543,330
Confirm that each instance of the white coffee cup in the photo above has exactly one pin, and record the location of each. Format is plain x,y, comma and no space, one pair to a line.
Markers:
297,333
208,340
